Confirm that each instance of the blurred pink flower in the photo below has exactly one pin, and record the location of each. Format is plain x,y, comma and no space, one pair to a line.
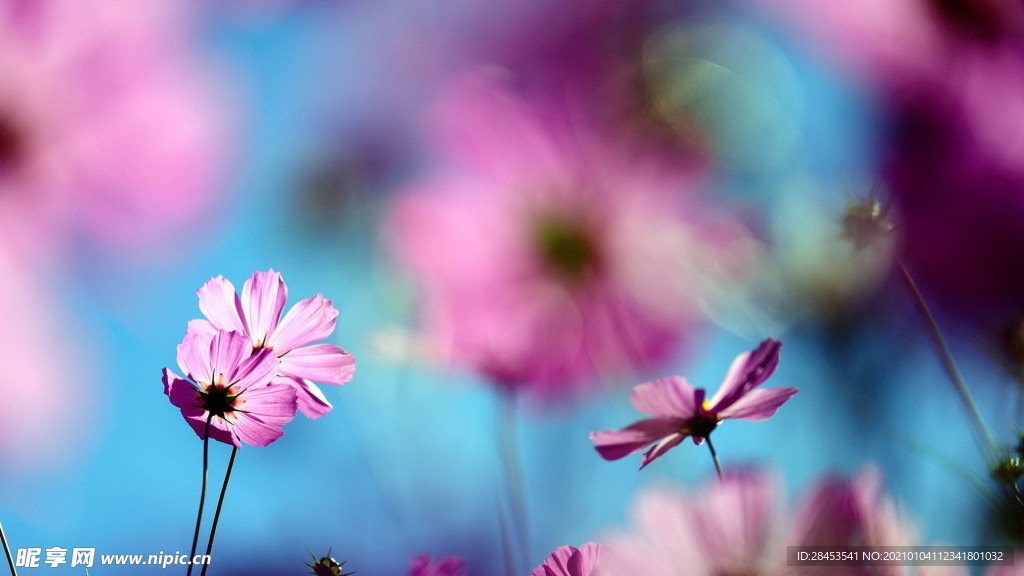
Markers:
681,410
1017,569
35,384
449,566
571,561
545,254
230,389
735,526
109,128
258,315
950,75
898,43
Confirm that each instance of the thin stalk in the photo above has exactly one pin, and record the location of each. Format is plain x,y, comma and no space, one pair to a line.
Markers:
506,541
202,495
7,551
714,456
220,503
983,436
512,467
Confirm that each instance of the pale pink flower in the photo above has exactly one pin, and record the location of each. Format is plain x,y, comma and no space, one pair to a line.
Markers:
35,384
1017,569
230,390
545,253
571,561
109,128
736,526
449,566
681,411
257,314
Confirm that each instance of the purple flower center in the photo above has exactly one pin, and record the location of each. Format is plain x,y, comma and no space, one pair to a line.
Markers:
701,425
981,19
11,145
218,399
567,248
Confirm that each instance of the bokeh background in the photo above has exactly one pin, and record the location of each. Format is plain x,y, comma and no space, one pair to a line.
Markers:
147,147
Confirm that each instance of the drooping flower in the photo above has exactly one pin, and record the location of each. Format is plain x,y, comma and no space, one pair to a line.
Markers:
230,389
257,314
571,561
682,411
547,253
448,566
736,526
110,129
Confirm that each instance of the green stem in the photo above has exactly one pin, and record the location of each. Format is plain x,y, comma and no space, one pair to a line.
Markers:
7,551
983,436
714,456
202,494
220,503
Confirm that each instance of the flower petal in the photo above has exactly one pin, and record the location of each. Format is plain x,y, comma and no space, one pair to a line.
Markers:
557,564
255,432
615,444
308,321
735,522
571,561
201,326
311,401
323,363
220,304
759,404
194,357
587,558
829,517
179,391
265,409
660,448
746,372
221,430
256,370
263,298
273,403
671,397
227,351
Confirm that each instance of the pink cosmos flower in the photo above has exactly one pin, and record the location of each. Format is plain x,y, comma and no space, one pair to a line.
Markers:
571,561
230,389
450,566
736,526
257,314
546,253
109,128
681,410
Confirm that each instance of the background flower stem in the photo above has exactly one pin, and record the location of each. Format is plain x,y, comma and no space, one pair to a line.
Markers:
220,503
986,442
